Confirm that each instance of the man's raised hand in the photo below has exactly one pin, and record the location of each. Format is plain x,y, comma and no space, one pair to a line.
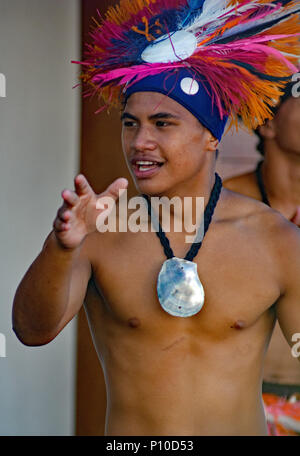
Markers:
77,217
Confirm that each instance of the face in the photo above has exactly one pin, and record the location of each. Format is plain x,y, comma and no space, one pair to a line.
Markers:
287,126
165,146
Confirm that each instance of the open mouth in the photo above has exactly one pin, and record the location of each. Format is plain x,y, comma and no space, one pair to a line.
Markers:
145,168
147,165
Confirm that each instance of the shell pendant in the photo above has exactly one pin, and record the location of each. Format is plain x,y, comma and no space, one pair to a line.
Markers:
179,289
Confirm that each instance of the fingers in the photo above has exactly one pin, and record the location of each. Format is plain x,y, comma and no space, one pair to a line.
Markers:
62,218
64,214
116,188
82,186
75,204
70,198
60,226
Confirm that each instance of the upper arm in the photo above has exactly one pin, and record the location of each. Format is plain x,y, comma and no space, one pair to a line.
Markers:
51,293
288,306
81,274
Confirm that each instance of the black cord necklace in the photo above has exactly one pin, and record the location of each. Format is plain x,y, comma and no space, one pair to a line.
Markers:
179,289
260,183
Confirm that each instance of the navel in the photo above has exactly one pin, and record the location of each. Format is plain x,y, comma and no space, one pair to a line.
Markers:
134,323
239,324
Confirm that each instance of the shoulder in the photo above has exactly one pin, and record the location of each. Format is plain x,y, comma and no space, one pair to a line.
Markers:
235,181
244,184
287,236
244,208
256,217
275,240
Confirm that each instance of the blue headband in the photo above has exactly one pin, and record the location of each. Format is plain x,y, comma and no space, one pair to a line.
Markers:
192,93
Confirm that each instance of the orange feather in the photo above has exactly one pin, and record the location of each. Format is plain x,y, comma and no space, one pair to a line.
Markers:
126,9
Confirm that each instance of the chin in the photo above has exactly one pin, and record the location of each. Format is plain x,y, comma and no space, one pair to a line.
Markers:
150,189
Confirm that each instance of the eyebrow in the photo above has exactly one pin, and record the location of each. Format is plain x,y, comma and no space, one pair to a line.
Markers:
160,115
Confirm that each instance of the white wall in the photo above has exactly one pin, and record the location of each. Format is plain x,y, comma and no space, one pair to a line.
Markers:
39,150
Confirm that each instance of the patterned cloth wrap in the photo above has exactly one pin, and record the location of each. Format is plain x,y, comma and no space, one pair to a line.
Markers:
283,414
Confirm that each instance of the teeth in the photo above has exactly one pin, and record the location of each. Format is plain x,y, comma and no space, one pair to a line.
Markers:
143,163
145,169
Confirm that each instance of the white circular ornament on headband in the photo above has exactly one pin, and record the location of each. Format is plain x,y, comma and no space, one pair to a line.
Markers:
189,86
171,48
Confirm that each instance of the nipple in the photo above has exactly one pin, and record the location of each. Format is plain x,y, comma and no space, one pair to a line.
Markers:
134,323
239,324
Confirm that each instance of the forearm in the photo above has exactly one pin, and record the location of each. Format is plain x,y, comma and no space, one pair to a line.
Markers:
42,297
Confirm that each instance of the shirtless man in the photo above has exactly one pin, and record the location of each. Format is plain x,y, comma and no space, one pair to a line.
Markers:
279,176
166,375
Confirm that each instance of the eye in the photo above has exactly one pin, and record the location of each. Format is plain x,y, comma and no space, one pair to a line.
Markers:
129,123
162,123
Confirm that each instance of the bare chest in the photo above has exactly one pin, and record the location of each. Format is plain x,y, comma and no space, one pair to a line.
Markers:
238,283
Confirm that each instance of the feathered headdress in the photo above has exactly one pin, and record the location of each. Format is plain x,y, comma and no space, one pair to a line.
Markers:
246,49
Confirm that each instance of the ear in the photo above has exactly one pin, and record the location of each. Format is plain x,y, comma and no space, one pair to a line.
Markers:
268,130
212,143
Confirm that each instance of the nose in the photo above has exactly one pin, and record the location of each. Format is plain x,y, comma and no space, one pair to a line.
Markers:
143,140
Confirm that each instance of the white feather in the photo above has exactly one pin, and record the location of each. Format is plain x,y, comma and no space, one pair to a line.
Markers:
247,26
211,11
216,12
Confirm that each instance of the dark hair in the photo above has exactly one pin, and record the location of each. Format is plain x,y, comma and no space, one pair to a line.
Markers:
285,96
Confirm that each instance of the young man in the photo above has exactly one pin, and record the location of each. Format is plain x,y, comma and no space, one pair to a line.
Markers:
276,181
170,375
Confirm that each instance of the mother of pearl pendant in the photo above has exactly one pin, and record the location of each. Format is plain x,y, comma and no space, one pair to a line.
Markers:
179,289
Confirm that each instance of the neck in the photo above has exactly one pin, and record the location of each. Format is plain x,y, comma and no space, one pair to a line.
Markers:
198,186
281,176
